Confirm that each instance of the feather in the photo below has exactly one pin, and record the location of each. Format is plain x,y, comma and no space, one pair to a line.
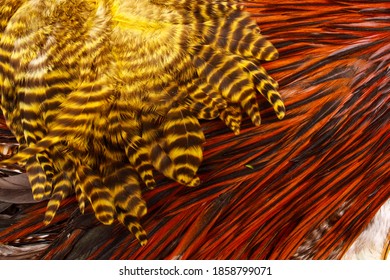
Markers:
183,139
96,192
15,189
129,204
231,115
37,179
62,187
204,97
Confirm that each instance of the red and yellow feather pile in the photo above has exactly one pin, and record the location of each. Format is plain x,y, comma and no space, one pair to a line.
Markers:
303,187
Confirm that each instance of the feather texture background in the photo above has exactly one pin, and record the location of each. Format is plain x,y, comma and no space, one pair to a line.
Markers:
301,188
99,94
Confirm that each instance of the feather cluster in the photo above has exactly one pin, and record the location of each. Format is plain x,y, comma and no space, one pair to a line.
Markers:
102,94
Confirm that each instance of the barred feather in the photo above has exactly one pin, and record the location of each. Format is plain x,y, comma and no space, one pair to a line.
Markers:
183,139
202,93
129,205
98,194
40,183
62,187
231,115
